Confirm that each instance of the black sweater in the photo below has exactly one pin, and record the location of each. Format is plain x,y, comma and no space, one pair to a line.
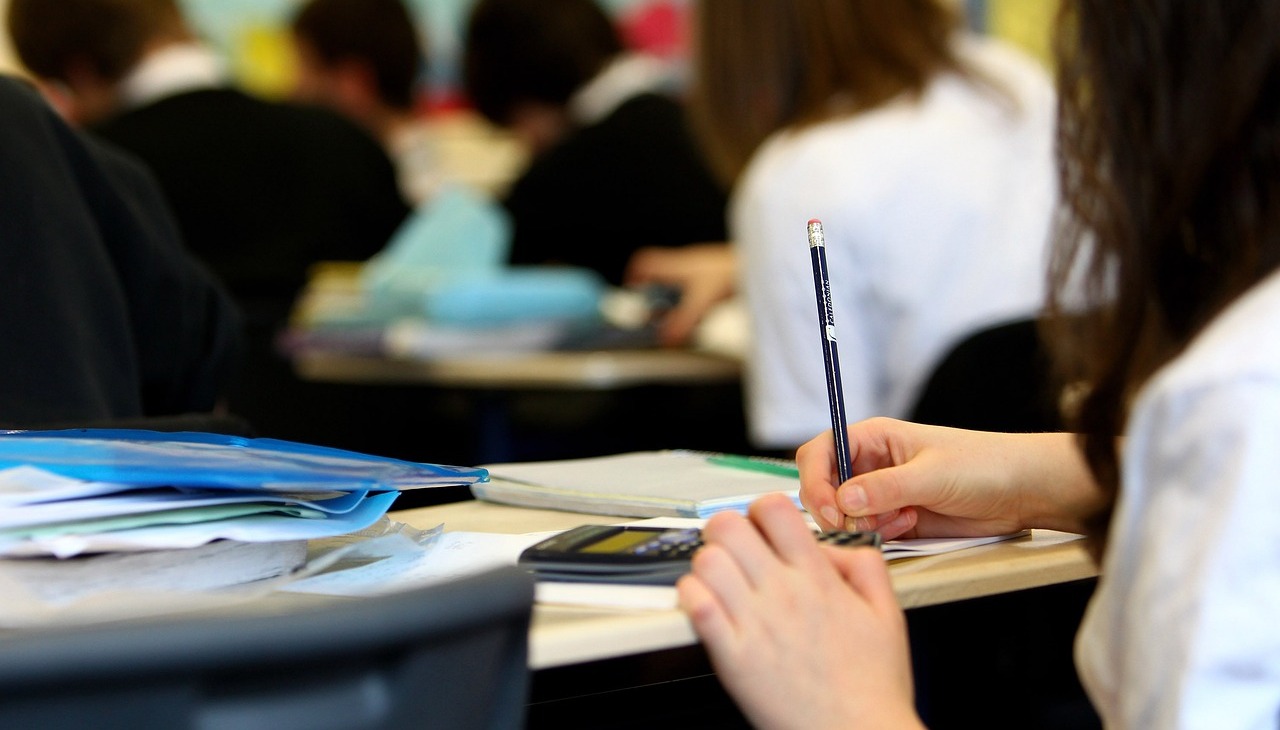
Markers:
102,313
632,179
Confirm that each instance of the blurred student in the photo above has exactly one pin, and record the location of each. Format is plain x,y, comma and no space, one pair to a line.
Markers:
614,166
1172,213
926,152
363,59
260,190
103,315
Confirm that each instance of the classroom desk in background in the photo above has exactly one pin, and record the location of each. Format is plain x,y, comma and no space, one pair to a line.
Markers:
409,394
535,406
569,370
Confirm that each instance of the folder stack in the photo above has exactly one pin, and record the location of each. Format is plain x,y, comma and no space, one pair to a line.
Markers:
68,493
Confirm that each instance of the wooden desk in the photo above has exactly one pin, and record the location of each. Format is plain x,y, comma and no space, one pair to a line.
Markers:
562,636
588,370
635,390
335,287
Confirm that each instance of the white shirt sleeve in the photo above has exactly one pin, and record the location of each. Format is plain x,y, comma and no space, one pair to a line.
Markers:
1184,631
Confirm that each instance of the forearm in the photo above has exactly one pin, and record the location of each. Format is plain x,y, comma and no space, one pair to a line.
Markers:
1055,486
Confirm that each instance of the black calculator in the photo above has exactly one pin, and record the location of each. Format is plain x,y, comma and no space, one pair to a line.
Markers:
630,554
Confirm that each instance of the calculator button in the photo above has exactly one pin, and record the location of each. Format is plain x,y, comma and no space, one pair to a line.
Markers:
677,537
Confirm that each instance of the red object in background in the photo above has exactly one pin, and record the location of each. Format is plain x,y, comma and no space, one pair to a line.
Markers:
657,27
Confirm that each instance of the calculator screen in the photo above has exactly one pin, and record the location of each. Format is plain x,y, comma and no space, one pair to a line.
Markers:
619,542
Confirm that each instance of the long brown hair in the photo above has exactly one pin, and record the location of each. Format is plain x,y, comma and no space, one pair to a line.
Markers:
765,65
1169,162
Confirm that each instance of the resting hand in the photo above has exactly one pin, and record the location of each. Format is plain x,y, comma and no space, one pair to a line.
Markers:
912,480
706,274
803,635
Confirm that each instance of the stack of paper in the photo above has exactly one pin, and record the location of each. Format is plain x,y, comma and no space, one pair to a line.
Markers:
66,493
642,484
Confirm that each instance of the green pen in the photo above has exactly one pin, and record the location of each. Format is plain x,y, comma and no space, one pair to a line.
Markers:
777,467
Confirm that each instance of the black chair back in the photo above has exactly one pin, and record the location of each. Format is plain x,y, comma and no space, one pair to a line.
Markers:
997,379
448,656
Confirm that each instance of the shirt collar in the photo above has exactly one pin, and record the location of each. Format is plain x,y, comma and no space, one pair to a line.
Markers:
172,70
626,76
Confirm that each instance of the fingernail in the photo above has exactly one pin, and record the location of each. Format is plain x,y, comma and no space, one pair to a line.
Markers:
854,500
830,515
899,523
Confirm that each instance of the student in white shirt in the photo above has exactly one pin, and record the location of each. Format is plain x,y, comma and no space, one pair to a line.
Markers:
927,154
1172,202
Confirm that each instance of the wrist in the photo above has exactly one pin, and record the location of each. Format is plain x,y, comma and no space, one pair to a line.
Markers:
1055,486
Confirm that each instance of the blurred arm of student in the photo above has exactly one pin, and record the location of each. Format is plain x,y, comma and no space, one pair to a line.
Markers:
706,274
103,314
803,635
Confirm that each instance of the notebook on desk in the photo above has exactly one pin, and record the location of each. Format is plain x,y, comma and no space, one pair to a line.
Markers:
671,483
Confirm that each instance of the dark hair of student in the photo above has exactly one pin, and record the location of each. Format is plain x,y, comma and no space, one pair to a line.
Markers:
534,51
1169,161
378,32
765,65
106,36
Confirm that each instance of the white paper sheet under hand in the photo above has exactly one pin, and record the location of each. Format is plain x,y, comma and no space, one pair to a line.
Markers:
451,556
919,547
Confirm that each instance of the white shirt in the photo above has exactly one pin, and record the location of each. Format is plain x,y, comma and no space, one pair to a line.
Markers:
936,213
172,70
414,148
1184,629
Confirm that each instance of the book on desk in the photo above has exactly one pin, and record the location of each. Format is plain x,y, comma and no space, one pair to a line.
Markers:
672,483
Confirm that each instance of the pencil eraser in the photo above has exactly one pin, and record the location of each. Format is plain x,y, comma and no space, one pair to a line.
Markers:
814,220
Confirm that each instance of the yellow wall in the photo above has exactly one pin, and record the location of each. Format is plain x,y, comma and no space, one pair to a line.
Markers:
8,64
1026,23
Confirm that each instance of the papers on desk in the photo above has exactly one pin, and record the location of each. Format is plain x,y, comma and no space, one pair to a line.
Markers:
640,484
920,547
457,554
93,588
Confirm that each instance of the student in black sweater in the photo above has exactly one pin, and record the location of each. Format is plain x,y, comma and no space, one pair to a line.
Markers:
615,168
103,315
261,190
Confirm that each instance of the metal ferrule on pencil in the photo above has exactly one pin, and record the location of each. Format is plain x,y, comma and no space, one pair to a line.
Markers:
816,236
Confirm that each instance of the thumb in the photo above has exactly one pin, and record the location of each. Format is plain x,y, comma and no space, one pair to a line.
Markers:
884,491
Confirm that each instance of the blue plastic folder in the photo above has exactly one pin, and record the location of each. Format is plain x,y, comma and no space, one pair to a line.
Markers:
67,493
213,461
